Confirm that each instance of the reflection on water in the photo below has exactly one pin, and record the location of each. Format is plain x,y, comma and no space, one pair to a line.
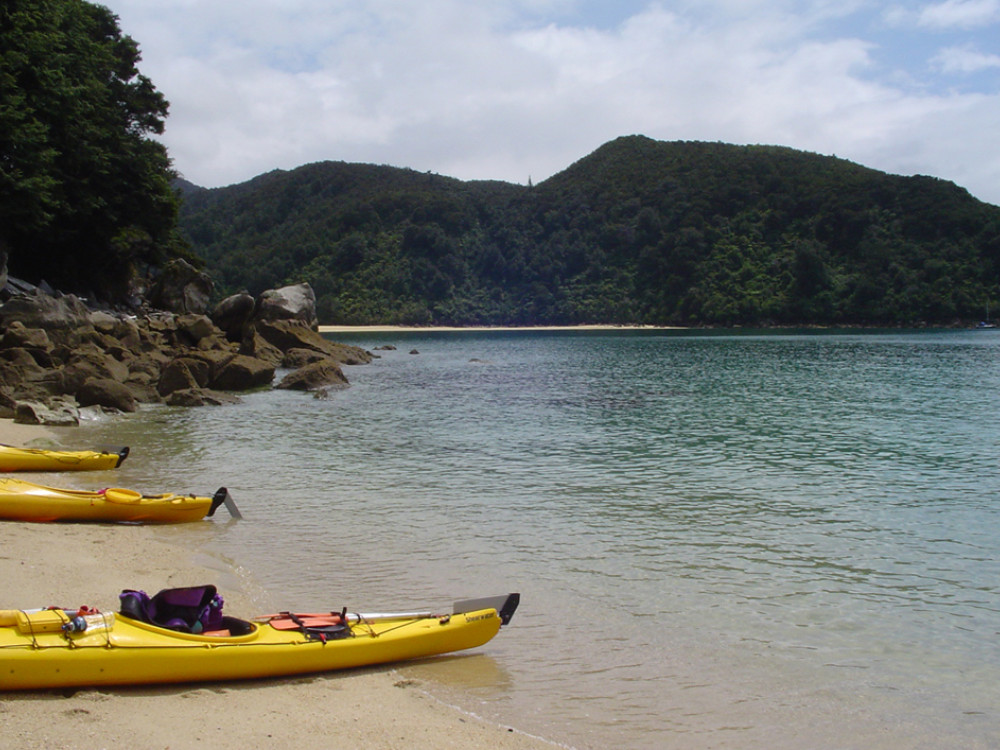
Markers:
720,540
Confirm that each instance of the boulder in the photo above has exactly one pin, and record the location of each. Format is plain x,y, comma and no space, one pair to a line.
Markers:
129,335
242,373
181,288
213,359
98,341
255,345
286,335
58,414
91,361
107,393
297,302
20,336
233,314
143,393
296,358
24,361
195,327
7,404
313,376
200,397
177,376
103,322
45,311
17,357
41,390
217,342
148,365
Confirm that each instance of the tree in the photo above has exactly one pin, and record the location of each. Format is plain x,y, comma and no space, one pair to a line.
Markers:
85,193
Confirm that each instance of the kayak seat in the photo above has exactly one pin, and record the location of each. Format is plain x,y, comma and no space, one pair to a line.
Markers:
232,626
193,609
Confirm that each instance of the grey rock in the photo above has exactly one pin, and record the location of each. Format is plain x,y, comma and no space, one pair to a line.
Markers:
233,314
313,376
201,397
296,302
181,288
107,393
56,414
45,311
243,373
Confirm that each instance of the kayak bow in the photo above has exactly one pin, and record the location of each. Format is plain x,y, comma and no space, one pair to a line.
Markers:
39,459
26,501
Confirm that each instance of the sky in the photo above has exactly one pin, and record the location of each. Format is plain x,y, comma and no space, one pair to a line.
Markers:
518,90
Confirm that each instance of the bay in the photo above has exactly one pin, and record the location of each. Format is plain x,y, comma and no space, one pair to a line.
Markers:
748,540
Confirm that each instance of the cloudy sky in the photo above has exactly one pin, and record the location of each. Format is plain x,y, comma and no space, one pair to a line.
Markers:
520,89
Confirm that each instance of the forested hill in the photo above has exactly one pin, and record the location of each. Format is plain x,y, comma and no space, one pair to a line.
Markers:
640,231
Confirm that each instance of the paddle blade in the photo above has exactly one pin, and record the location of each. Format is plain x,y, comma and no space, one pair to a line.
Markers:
222,497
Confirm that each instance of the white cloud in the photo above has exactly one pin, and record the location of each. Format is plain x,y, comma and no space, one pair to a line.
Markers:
964,14
947,16
964,59
481,91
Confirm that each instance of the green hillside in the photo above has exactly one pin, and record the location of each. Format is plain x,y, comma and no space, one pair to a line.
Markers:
640,231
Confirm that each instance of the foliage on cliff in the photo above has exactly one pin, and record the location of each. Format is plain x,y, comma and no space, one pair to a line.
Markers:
640,231
85,193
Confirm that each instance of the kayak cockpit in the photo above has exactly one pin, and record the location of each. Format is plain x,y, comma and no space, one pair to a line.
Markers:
229,630
194,610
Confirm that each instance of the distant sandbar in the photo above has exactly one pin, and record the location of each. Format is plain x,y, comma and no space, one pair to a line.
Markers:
429,329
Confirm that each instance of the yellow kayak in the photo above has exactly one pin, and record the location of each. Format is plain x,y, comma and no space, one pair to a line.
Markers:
26,501
56,648
38,459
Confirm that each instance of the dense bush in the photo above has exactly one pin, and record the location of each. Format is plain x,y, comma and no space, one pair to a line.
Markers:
640,231
86,199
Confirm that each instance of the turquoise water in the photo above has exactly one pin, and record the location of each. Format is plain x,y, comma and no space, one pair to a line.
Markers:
750,541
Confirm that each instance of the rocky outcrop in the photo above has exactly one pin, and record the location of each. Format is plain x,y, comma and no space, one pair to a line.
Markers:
233,315
45,311
295,358
107,393
243,373
296,303
255,345
197,328
201,397
314,376
286,335
181,288
54,413
181,373
57,356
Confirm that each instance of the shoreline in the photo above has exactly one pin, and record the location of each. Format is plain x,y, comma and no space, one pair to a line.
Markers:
472,329
49,564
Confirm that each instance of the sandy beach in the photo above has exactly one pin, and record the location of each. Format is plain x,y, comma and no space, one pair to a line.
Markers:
76,564
431,329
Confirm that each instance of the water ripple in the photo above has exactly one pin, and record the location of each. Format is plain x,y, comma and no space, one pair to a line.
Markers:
737,540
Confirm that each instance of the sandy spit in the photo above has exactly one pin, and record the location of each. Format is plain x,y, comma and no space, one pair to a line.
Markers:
431,329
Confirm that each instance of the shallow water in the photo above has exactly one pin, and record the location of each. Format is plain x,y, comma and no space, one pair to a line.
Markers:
759,541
